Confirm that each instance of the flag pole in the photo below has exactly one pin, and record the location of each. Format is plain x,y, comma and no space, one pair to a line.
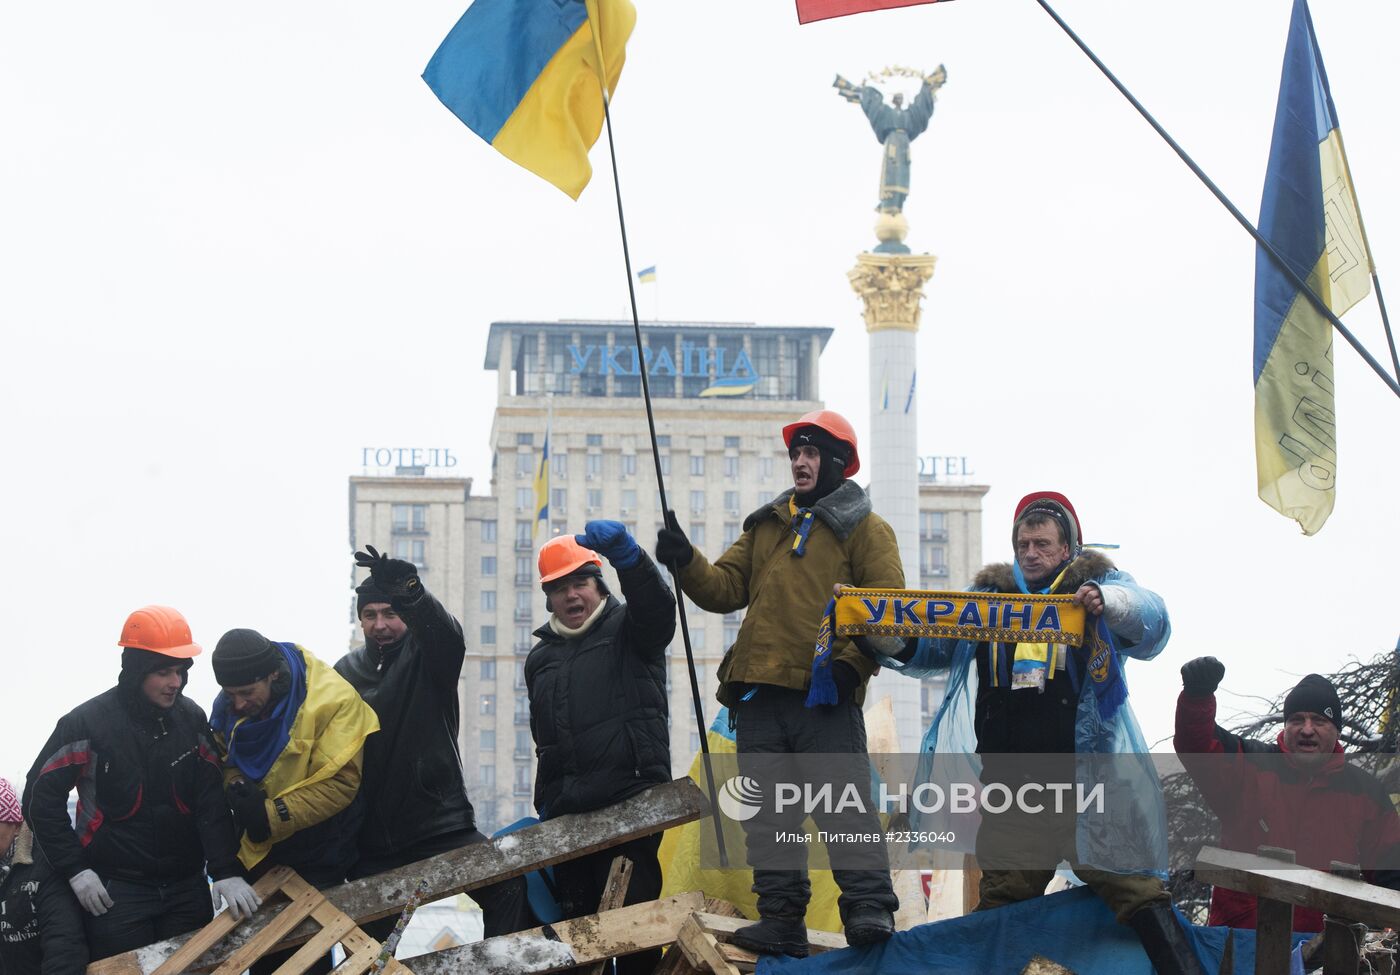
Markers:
668,516
1244,222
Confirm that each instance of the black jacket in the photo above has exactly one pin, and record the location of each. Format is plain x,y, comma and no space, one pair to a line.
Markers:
412,785
151,806
598,701
41,924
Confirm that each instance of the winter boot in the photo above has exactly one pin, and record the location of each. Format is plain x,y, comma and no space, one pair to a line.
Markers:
868,924
1166,942
774,936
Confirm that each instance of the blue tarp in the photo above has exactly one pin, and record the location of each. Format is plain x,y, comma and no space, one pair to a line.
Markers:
1073,928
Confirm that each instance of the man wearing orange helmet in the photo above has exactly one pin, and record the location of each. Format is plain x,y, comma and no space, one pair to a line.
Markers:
597,682
792,550
151,814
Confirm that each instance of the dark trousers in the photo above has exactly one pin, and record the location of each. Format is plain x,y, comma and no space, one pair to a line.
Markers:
580,886
504,907
772,730
142,914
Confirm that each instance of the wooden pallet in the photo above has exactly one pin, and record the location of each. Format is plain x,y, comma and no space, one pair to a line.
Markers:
306,903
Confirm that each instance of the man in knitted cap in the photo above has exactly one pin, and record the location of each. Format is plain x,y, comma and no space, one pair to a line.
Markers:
415,801
292,733
41,926
1026,702
792,550
1297,792
597,683
151,816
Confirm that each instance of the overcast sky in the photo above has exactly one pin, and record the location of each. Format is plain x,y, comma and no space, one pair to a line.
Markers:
239,243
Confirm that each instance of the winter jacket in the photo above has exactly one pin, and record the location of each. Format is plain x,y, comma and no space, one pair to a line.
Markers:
313,785
786,594
151,806
412,776
1339,812
598,700
973,719
41,924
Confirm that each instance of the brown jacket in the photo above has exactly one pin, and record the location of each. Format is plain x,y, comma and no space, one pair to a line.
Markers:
787,594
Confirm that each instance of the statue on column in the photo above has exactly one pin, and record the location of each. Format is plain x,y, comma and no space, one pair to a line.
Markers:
895,126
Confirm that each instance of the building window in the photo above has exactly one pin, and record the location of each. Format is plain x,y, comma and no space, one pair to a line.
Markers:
663,440
409,517
524,463
524,439
595,498
697,465
731,442
765,468
697,502
488,704
524,499
488,638
559,464
488,669
697,639
523,576
697,534
488,739
731,533
522,809
557,497
524,747
523,639
629,500
523,535
764,497
488,565
411,550
731,502
731,468
488,600
933,559
488,530
629,465
522,709
595,440
695,741
731,633
665,465
522,779
933,526
593,465
520,675
487,774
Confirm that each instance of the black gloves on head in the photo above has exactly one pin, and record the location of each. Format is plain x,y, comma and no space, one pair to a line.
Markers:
1200,677
672,547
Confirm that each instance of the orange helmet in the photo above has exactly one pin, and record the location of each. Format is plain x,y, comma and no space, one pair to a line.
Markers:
161,630
563,555
833,423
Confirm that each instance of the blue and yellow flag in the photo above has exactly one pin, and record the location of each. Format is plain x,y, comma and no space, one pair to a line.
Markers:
1310,216
647,275
542,488
524,75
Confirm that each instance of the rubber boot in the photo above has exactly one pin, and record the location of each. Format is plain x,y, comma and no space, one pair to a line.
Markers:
774,936
1167,944
868,924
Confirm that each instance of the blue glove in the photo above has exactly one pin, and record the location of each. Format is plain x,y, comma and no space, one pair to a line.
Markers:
610,540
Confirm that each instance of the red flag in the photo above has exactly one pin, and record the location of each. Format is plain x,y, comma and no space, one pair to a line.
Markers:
810,10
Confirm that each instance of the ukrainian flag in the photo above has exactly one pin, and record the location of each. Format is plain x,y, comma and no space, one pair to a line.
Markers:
542,487
1310,216
647,275
524,75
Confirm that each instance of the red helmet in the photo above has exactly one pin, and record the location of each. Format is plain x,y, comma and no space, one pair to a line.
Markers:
161,630
1049,500
833,423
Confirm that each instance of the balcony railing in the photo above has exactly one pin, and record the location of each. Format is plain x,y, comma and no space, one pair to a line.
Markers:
933,534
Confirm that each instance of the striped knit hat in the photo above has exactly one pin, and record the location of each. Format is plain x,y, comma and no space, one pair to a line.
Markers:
9,803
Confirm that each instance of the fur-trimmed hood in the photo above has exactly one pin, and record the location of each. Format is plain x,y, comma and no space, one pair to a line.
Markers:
842,510
1089,566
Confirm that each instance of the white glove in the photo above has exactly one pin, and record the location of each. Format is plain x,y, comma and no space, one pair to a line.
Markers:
91,894
242,900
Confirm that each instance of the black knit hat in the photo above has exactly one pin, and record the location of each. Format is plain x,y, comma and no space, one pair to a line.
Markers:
831,472
369,592
244,656
1317,694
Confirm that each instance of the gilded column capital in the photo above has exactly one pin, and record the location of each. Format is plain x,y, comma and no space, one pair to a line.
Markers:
891,287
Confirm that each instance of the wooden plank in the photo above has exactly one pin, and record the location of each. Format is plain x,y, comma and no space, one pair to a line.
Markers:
614,893
213,932
1377,907
253,949
1273,936
317,947
745,961
555,947
723,927
454,872
1341,948
674,961
702,949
